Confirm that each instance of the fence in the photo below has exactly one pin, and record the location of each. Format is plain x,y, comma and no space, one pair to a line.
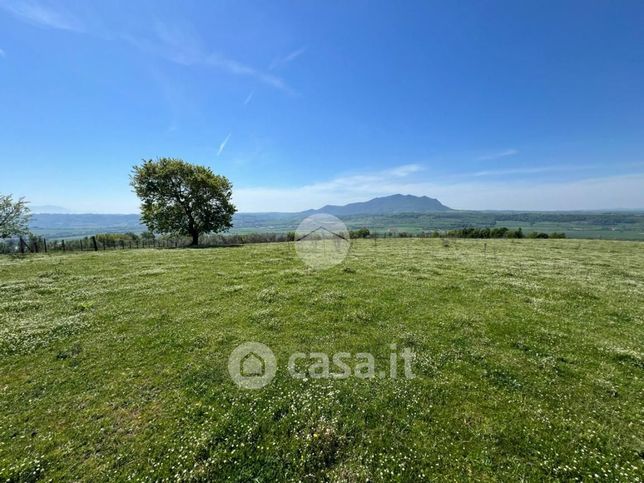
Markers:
22,245
114,241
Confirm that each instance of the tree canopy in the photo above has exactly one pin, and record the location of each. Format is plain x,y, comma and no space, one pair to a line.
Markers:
182,198
14,217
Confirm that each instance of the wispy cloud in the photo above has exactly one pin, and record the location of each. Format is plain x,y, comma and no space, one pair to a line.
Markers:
2,53
343,189
249,97
182,46
237,68
583,194
222,146
404,170
560,168
288,58
529,170
43,15
179,45
497,155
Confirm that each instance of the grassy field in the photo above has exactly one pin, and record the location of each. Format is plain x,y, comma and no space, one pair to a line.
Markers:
529,363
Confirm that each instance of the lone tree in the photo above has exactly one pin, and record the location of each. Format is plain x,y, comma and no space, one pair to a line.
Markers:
14,217
182,198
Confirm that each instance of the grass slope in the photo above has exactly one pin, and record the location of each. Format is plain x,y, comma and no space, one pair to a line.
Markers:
529,366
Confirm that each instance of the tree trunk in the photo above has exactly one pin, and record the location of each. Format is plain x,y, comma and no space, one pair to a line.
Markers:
195,239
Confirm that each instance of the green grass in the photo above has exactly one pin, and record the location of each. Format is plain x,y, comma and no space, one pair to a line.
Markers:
529,363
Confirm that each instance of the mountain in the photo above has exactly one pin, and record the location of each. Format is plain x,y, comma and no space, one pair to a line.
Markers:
68,225
400,212
386,205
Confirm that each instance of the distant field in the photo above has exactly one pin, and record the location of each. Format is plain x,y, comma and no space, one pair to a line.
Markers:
607,226
612,226
529,363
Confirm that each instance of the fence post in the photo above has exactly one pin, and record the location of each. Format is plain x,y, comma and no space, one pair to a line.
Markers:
94,243
44,241
22,246
36,246
64,249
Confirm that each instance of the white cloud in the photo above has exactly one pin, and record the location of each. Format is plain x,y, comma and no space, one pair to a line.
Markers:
222,146
404,170
497,155
532,170
341,190
560,168
43,15
584,194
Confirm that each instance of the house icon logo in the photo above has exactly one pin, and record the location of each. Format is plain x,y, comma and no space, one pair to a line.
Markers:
252,365
322,241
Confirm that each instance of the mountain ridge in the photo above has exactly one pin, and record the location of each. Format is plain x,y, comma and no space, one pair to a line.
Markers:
384,205
67,224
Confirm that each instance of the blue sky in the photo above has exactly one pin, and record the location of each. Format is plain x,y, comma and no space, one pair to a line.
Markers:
484,105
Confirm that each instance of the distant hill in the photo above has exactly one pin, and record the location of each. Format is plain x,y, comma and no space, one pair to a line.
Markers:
65,225
386,205
55,221
609,225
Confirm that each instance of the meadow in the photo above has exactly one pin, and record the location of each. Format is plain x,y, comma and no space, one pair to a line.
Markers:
529,363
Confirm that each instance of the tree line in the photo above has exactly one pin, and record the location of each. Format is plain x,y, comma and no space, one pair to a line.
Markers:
499,232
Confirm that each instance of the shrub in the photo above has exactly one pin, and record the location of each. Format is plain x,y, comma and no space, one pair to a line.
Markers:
360,233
